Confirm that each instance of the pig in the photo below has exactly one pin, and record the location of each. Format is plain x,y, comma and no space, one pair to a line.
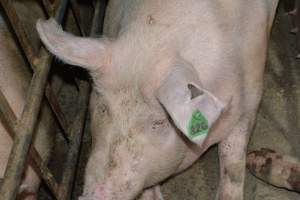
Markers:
15,77
170,79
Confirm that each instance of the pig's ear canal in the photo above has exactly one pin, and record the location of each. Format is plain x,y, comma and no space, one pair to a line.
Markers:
193,109
85,52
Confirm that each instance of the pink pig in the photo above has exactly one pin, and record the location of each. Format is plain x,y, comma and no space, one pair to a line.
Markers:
171,78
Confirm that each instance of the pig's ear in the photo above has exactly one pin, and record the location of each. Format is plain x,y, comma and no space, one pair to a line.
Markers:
89,53
193,109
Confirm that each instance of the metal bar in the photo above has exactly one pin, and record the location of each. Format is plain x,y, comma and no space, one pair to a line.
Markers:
289,5
77,129
77,17
9,118
48,7
25,128
61,11
19,30
97,24
57,111
297,24
75,142
32,58
7,115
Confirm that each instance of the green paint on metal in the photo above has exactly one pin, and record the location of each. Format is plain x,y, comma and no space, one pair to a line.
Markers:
198,125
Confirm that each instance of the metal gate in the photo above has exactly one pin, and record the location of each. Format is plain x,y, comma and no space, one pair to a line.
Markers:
21,130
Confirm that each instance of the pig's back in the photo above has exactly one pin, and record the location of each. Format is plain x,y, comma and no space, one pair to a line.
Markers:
224,40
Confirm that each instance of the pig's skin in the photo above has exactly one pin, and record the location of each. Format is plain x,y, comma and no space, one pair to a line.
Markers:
135,145
14,81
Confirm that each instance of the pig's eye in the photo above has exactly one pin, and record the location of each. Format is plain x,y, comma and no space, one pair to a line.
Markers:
158,123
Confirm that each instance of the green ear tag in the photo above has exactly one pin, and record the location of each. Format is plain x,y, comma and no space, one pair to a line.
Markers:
198,124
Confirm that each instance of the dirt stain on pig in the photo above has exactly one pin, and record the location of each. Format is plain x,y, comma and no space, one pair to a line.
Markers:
150,20
294,179
234,170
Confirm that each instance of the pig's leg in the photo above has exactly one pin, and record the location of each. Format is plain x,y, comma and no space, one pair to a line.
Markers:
232,156
153,193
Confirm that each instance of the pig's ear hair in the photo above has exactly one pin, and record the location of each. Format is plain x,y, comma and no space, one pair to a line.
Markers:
193,109
89,53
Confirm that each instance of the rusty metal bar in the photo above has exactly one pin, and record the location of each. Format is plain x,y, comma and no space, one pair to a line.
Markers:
289,5
77,17
19,30
97,24
9,119
32,58
48,7
297,24
7,115
57,111
74,145
25,128
77,129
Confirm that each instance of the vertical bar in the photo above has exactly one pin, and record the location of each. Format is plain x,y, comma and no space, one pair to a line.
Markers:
77,17
297,21
74,145
77,129
48,6
97,23
289,5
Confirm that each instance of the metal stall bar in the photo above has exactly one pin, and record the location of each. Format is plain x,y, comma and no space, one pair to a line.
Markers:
9,118
77,129
48,7
32,58
75,143
17,27
77,17
17,160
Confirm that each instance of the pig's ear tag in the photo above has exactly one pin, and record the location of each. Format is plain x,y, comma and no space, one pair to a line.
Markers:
198,125
193,109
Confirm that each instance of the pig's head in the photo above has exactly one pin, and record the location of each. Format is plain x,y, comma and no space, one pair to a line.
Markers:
135,143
